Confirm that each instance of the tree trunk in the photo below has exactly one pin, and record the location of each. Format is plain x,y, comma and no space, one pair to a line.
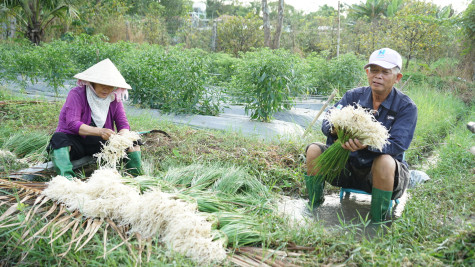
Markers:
214,36
412,42
338,39
373,34
8,28
293,40
266,25
127,29
11,32
280,21
407,61
34,32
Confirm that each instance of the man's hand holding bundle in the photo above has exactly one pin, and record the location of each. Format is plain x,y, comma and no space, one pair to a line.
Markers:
353,145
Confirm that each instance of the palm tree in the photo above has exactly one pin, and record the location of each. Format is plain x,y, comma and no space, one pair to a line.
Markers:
371,10
393,7
34,16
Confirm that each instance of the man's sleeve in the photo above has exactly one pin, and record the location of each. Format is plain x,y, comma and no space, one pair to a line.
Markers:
401,132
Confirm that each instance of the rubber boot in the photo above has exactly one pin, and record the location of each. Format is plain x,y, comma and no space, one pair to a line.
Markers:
133,164
315,185
62,163
380,201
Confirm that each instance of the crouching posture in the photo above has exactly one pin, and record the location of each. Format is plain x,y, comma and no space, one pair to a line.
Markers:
383,173
88,117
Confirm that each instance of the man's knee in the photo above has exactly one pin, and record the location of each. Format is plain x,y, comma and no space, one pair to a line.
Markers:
384,161
384,168
313,151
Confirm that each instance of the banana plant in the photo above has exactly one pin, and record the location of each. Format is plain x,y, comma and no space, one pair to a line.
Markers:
34,16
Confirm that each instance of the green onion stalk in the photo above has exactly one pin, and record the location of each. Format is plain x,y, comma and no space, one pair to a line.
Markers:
349,122
333,160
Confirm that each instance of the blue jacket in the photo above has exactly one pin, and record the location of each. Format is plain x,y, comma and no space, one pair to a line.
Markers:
398,113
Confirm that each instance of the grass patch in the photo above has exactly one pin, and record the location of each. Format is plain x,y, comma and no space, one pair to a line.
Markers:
436,228
23,114
278,165
437,116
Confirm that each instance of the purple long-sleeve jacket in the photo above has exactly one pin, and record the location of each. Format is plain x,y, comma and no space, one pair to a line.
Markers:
76,112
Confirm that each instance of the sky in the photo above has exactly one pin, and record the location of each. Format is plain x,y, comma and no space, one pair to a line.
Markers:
313,5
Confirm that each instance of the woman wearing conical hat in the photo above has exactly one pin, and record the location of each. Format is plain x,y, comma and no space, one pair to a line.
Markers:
88,117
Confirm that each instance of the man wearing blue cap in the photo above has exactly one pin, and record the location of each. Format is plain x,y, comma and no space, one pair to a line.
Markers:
385,173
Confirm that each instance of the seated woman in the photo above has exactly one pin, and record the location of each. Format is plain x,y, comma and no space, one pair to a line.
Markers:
88,117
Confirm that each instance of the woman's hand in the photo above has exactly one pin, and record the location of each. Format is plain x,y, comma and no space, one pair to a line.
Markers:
106,133
87,130
123,131
353,145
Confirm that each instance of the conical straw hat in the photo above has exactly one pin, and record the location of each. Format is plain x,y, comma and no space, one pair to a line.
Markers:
104,72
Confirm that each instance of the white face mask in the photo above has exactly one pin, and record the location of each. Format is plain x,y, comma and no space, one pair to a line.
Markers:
99,106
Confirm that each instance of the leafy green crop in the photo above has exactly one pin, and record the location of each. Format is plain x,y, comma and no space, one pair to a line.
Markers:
19,60
222,67
265,81
56,65
344,72
171,80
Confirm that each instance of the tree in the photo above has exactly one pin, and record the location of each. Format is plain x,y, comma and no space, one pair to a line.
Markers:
175,8
393,7
7,25
275,43
237,34
266,23
216,8
278,29
370,10
291,22
416,30
107,17
154,28
34,16
173,12
445,12
326,11
255,7
315,33
467,21
140,7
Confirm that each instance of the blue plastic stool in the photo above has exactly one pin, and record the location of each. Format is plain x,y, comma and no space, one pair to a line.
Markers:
348,191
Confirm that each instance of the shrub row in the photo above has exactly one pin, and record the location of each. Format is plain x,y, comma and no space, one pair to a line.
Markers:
180,80
171,80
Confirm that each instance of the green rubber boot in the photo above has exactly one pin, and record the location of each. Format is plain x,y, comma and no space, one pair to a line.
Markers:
134,163
380,201
62,163
315,185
